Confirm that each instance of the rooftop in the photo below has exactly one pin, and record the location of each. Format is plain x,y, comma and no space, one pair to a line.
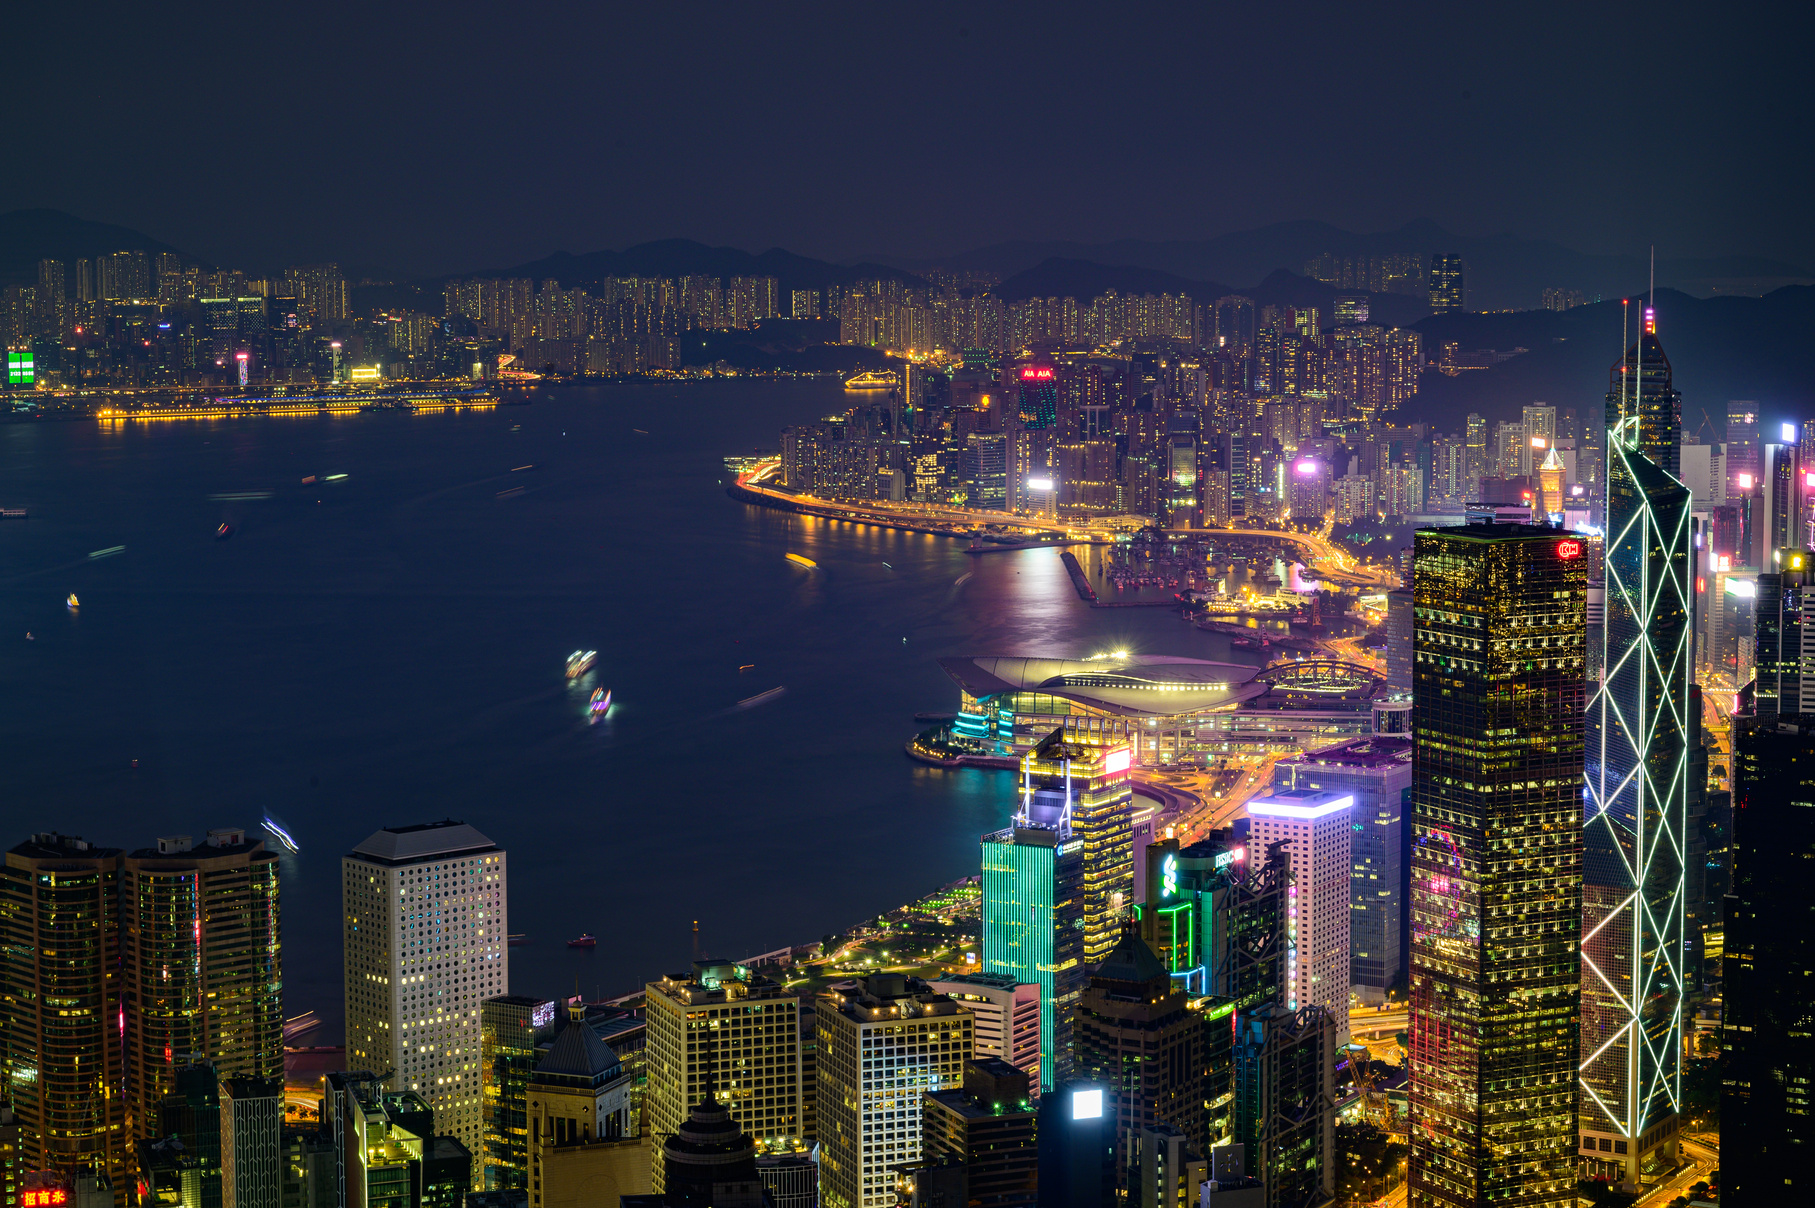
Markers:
1303,804
1134,686
1376,751
424,841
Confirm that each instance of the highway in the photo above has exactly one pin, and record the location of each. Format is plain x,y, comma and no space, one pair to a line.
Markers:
1703,1161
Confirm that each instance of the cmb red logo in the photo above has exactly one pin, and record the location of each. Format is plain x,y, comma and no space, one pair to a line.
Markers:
1569,549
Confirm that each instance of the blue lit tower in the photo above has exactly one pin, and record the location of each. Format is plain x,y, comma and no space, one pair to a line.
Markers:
1636,795
1034,913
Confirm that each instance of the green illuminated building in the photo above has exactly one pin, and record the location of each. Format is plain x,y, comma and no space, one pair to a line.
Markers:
1499,639
1637,784
1218,925
1033,924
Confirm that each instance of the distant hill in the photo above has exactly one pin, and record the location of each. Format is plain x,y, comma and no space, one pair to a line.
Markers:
1719,349
1058,277
28,236
1505,272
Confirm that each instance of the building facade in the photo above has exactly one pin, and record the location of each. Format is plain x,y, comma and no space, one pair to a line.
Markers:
204,971
1005,1015
884,1044
424,933
1033,913
1496,865
1317,828
739,1032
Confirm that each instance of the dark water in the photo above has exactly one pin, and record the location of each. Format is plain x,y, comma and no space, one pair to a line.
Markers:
388,649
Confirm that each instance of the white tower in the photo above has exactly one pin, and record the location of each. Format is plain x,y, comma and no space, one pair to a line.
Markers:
1316,826
425,931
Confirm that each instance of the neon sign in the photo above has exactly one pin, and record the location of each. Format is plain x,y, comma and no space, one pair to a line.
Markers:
1568,550
1031,374
1169,875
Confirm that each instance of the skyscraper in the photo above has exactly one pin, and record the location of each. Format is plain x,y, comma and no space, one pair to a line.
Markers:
1785,625
1768,1057
1135,1033
1091,780
1317,827
204,977
1635,799
1447,290
1743,446
1033,914
61,981
423,933
722,1026
1496,864
883,1045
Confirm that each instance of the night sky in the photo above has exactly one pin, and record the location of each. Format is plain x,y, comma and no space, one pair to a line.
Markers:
438,137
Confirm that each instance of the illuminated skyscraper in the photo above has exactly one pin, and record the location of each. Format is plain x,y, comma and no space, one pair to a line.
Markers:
1498,686
1743,445
1317,827
64,1033
423,933
1033,916
1636,795
1447,292
204,976
722,1030
1091,782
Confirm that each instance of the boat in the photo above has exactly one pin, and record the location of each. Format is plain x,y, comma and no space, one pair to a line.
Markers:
29,637
601,701
516,941
580,662
282,836
223,532
803,560
72,602
871,379
585,941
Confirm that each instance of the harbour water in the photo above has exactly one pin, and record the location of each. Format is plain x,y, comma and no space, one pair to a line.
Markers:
388,647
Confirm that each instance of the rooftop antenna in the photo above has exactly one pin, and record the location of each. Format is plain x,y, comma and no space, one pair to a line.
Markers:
696,939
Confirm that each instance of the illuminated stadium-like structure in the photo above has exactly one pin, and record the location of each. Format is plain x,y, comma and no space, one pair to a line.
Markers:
1163,706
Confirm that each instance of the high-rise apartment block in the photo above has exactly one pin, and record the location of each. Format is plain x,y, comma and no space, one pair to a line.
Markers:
884,1044
1447,288
1377,773
1499,681
424,932
1767,1111
1006,1015
739,1032
204,977
61,978
1318,829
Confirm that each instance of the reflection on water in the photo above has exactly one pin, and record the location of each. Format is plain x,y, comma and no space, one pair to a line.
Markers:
388,648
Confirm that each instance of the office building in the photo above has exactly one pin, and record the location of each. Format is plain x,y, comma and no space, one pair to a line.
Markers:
987,1125
1077,1127
1784,667
1498,689
1318,829
1399,641
1743,444
1005,1014
204,975
584,1146
1636,792
252,1119
737,1029
1218,923
308,1167
1447,290
424,935
1135,1034
1167,1169
1377,773
1033,914
1284,1112
386,1151
1090,779
884,1043
1768,1055
63,1056
512,1029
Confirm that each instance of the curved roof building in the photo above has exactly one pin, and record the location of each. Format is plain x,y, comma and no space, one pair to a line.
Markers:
1140,685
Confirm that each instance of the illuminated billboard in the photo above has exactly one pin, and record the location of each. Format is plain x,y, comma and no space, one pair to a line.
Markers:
21,367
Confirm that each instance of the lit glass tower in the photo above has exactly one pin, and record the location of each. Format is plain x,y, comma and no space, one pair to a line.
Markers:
1637,777
1498,687
1090,782
1033,912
